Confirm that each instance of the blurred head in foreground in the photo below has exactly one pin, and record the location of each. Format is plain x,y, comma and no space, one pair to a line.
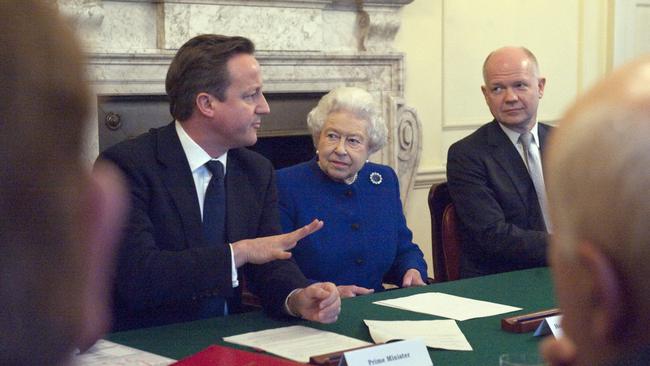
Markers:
59,223
599,193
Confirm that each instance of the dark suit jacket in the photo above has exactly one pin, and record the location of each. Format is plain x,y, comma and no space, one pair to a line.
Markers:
501,221
165,270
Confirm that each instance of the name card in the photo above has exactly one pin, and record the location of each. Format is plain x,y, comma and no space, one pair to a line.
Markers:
403,353
552,324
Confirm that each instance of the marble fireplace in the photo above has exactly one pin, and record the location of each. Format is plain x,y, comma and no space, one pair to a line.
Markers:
304,46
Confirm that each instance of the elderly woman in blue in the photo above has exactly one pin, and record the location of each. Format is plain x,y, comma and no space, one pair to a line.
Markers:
364,241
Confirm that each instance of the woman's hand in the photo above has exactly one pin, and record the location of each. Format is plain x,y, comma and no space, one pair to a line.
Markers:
412,278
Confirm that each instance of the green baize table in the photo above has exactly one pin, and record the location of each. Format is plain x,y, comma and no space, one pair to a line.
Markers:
530,290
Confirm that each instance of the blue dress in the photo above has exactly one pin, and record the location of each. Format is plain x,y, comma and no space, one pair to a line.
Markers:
365,240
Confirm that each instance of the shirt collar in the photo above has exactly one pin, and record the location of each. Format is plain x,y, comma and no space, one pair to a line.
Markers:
196,156
514,135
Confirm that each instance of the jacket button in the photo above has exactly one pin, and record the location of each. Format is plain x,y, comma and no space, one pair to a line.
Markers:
355,226
348,193
359,261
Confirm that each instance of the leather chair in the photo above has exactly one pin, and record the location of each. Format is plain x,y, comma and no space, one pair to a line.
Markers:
445,234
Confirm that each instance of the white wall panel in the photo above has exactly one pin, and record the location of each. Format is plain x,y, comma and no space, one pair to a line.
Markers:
471,29
445,43
631,29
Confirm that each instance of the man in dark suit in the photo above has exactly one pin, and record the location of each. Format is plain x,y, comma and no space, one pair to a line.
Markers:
500,201
169,269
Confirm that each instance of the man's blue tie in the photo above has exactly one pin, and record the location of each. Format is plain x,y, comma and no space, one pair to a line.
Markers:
214,206
214,227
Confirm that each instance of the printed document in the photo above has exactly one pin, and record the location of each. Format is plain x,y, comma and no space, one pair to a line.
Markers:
297,342
447,306
443,334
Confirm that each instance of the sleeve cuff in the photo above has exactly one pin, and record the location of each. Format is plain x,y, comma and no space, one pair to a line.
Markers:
234,278
286,304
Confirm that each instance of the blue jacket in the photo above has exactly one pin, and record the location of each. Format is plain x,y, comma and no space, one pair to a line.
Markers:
364,241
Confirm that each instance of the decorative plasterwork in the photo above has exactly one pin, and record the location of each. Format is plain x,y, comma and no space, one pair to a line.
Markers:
303,46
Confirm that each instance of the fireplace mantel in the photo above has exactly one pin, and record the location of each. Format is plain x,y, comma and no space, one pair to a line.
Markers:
303,46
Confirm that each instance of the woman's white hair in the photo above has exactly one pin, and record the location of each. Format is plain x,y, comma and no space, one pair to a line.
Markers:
354,100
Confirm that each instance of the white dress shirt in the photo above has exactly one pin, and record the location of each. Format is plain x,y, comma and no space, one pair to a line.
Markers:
197,157
514,138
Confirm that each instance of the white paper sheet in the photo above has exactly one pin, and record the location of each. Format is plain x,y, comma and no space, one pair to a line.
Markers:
106,353
296,342
443,334
447,306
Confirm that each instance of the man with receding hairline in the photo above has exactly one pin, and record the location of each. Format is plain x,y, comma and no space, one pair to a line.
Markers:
495,174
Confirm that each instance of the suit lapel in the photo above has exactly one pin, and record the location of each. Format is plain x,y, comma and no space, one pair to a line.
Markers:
542,132
178,181
238,198
506,155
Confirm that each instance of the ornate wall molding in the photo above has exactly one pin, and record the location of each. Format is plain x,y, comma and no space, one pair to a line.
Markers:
408,144
303,46
83,12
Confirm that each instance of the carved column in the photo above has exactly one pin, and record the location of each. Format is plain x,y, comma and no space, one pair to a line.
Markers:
408,136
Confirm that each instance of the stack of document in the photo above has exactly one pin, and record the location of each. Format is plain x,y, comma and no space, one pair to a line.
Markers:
298,343
443,334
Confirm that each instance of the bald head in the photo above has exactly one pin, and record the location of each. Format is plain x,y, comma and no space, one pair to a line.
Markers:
513,87
604,139
598,178
510,55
